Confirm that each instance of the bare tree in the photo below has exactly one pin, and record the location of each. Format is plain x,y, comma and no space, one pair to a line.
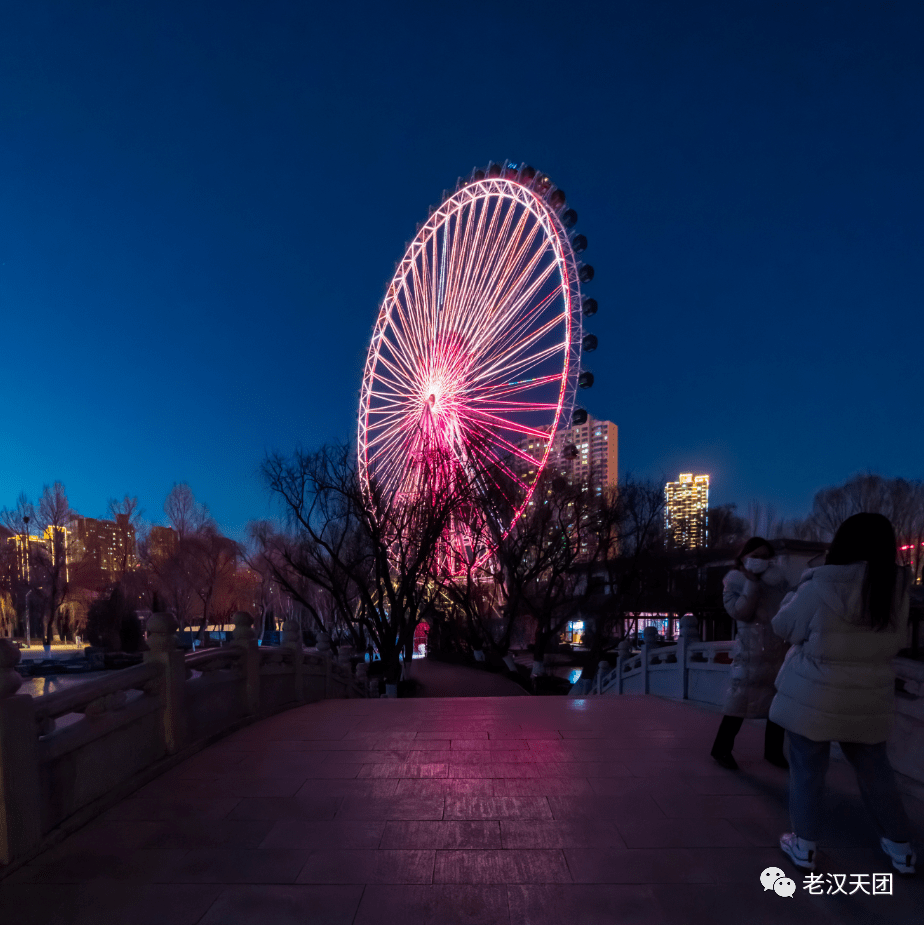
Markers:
636,563
374,553
212,561
186,515
22,580
53,516
901,500
545,558
726,529
127,512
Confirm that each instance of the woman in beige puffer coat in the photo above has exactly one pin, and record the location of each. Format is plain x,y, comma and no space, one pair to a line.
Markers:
753,591
846,622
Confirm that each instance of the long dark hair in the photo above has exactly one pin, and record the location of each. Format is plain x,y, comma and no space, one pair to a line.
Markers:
869,538
755,542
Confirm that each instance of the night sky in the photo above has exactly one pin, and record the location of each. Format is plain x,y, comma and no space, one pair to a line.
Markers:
201,205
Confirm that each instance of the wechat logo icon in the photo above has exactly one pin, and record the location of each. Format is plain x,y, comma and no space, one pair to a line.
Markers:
774,879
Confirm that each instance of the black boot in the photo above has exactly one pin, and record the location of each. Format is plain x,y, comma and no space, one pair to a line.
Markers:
725,742
773,745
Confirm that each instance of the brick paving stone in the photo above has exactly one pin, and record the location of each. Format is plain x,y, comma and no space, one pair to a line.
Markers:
551,809
440,904
235,865
568,833
391,808
435,786
644,865
69,864
316,807
284,905
497,808
508,866
444,834
340,833
367,787
146,903
542,787
368,866
590,904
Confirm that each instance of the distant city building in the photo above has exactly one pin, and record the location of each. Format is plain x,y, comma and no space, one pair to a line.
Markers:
685,512
588,450
53,545
162,542
105,549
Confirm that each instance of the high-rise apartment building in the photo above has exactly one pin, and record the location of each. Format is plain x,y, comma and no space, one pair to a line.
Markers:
588,450
685,512
51,549
162,542
105,549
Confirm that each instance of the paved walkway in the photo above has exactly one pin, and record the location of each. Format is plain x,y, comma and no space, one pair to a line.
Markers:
521,810
440,679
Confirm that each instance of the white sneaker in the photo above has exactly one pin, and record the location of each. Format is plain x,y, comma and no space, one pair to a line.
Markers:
901,854
800,851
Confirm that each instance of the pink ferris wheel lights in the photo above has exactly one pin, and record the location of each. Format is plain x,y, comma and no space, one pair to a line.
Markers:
475,356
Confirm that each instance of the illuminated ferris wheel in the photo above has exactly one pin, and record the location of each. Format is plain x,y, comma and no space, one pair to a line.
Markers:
475,356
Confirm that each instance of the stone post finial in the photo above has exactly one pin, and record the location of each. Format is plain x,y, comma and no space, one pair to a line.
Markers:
243,628
292,639
624,648
162,648
689,627
161,629
291,632
10,681
323,643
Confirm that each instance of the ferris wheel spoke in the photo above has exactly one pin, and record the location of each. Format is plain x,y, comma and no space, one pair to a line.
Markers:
506,352
516,367
498,440
482,299
485,268
504,407
508,424
492,461
512,388
404,375
511,315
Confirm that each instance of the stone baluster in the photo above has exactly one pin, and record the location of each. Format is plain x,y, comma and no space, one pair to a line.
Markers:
687,634
292,639
362,677
602,669
20,794
649,644
323,647
344,661
624,652
162,647
245,638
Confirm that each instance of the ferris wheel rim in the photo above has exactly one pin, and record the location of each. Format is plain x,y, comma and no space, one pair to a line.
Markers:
556,235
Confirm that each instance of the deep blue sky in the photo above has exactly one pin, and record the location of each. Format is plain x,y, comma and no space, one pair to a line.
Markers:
201,205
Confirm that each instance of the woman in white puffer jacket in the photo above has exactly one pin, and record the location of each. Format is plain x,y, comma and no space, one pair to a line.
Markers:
752,594
846,621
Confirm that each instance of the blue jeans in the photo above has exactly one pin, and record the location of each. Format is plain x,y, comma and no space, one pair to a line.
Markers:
808,765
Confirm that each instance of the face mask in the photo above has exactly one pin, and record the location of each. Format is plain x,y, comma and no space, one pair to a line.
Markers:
757,566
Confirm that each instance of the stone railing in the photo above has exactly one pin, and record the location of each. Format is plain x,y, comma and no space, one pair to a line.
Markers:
118,732
699,672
